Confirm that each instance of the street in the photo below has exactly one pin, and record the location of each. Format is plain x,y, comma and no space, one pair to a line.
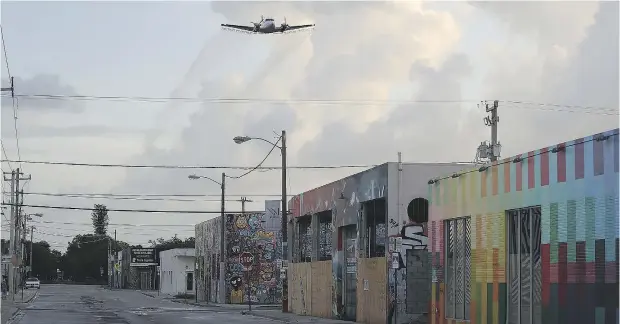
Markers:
77,304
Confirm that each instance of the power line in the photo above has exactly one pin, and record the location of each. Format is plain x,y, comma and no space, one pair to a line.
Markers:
6,57
156,231
142,199
14,100
155,166
540,104
116,224
5,155
261,162
126,210
144,195
235,100
581,109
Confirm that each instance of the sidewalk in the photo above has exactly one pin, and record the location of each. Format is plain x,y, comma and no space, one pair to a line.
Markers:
10,306
272,312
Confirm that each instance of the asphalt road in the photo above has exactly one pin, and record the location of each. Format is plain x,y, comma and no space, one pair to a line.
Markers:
73,304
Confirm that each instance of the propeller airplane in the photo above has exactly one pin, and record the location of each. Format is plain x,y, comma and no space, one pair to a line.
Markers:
267,26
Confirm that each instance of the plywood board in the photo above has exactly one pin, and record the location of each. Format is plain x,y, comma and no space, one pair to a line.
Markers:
299,280
310,287
321,273
371,290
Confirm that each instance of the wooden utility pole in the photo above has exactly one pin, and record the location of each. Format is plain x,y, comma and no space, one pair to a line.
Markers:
16,201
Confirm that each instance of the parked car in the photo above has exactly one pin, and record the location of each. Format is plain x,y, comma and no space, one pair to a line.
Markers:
33,283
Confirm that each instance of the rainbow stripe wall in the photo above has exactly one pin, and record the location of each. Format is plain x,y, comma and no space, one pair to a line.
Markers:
577,189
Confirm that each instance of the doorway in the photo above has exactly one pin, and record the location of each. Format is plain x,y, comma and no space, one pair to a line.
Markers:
350,272
524,266
146,280
189,281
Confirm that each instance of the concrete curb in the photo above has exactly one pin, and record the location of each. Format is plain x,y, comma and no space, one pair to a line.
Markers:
18,304
36,293
273,318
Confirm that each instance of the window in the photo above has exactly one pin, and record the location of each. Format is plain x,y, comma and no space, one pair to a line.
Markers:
325,235
304,228
524,272
374,212
458,267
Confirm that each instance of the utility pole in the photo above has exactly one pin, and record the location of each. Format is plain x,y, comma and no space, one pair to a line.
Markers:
12,235
109,262
284,220
243,200
115,260
222,272
31,238
24,220
16,176
492,150
494,121
247,271
11,88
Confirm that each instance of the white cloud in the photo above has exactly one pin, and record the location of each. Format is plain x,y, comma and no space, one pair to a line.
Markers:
541,52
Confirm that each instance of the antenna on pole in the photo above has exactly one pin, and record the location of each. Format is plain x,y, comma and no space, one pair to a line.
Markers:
489,151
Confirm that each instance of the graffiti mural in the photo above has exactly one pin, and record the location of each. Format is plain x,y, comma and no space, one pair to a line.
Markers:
409,284
255,234
207,253
258,233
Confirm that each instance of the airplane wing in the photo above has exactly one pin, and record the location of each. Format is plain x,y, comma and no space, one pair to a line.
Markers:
239,27
298,27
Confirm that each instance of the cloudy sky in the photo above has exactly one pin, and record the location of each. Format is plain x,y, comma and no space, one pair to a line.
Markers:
424,66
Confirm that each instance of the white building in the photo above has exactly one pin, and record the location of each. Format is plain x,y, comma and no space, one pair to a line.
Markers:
176,272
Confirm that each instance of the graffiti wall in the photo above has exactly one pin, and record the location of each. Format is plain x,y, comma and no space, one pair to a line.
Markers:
409,272
343,198
257,233
536,237
208,259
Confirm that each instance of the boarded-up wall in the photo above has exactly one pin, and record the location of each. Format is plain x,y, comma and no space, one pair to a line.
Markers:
371,303
310,288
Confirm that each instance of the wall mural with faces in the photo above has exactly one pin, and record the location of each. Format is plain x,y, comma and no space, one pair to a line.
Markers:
256,233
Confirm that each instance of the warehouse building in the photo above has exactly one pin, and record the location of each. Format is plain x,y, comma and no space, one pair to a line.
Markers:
529,239
339,235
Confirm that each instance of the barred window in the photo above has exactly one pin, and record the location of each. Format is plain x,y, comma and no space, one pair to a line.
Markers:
325,235
305,238
458,267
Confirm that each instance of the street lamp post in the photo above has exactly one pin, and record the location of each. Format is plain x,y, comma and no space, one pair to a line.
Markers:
221,281
284,214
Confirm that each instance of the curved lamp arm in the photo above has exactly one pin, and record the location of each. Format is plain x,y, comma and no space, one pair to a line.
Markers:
243,139
196,177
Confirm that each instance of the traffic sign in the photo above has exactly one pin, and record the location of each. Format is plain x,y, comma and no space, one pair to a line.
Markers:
247,259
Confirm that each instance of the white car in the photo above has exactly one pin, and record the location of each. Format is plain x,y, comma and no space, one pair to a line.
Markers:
33,283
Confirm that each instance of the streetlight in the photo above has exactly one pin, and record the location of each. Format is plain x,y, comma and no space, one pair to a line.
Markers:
221,283
284,214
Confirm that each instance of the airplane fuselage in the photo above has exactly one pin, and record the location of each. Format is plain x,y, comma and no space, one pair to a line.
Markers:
267,26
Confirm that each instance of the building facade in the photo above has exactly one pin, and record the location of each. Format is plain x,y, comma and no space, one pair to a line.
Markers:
255,232
341,236
529,239
139,269
176,271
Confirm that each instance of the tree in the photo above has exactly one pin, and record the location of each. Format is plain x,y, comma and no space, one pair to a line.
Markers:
173,243
46,261
99,217
86,256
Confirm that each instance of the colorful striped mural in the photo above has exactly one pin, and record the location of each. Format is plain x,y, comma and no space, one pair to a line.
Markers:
569,196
